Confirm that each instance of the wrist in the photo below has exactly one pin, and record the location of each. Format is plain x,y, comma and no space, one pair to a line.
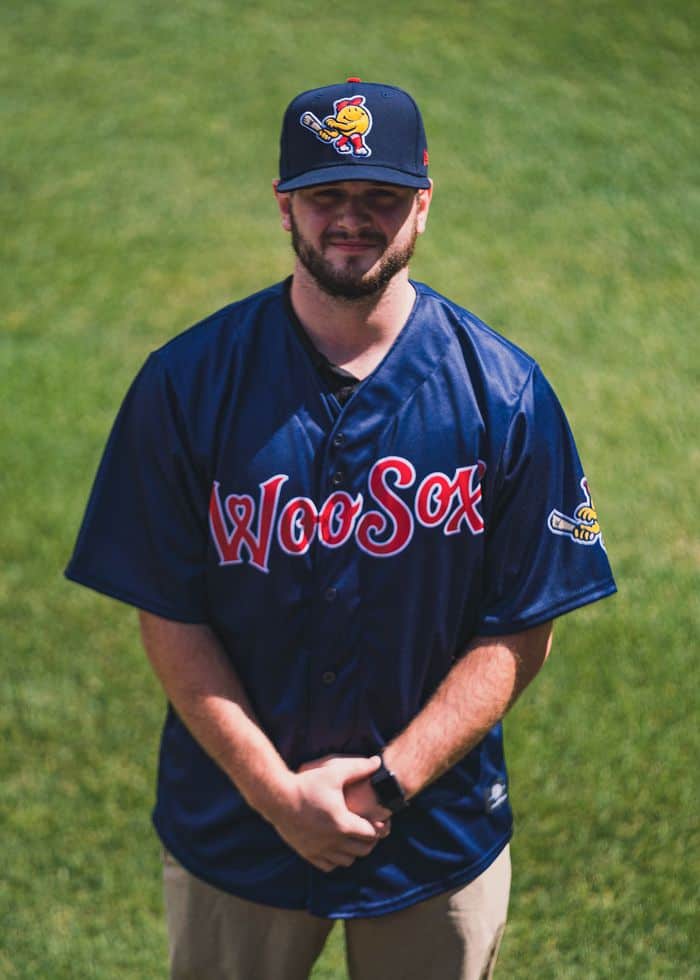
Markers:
388,790
274,795
397,765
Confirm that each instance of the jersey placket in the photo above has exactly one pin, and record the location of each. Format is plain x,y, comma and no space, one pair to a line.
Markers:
332,640
333,687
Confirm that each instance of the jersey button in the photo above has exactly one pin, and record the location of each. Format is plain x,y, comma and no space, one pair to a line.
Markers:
337,478
330,594
328,677
339,440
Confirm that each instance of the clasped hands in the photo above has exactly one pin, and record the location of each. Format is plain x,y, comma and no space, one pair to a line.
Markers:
329,813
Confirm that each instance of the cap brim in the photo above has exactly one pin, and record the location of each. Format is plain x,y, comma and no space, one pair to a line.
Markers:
337,172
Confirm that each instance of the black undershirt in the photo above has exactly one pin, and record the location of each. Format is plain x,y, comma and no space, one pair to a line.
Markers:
339,381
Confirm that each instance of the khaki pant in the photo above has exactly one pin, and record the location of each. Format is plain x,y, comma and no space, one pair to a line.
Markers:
216,936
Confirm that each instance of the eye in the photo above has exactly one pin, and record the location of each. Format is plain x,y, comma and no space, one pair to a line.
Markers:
326,197
384,198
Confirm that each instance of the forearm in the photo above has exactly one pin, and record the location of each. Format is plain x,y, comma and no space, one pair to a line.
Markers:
307,809
203,687
475,695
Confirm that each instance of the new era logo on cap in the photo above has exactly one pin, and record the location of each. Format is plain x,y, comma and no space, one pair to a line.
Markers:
353,131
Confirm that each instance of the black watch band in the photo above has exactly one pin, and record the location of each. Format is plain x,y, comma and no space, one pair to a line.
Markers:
387,789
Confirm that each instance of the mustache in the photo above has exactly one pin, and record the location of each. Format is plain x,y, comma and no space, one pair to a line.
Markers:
370,237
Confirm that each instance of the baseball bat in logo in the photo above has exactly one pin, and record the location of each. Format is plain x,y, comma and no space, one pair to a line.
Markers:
560,522
583,526
345,129
310,121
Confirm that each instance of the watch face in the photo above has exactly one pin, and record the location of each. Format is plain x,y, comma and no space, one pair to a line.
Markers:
388,792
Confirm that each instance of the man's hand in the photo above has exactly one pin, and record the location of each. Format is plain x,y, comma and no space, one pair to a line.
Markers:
314,818
308,808
360,797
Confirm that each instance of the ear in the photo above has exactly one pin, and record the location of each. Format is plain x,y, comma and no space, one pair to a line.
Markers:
284,204
425,196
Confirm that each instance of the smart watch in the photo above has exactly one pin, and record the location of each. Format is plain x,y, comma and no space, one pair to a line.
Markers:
387,789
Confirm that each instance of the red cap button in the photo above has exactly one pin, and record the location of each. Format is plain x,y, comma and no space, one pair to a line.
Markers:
353,79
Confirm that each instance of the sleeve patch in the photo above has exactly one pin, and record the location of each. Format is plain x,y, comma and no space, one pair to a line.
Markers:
583,526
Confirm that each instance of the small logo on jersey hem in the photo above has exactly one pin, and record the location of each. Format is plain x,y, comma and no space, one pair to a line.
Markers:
345,130
495,796
583,526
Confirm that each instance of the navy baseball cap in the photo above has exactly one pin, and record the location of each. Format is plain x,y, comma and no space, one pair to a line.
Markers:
353,131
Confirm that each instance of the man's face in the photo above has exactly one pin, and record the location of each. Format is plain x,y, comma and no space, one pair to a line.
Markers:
354,236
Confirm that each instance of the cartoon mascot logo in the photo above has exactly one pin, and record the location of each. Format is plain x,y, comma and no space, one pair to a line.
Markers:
583,527
345,129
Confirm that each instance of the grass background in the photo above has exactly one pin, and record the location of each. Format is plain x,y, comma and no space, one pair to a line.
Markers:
139,143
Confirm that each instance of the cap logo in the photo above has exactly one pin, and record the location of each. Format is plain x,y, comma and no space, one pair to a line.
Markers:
345,129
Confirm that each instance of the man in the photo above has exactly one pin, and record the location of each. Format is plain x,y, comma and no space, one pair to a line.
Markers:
348,512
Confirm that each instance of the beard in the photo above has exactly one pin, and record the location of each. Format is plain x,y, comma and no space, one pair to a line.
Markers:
347,283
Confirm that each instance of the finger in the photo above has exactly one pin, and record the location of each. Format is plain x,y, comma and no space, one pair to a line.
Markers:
383,828
355,768
357,828
346,854
345,860
357,848
316,763
353,850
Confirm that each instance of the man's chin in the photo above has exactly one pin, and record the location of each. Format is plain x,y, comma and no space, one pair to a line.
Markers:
351,279
349,287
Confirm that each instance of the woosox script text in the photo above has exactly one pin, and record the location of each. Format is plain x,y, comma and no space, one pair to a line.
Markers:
439,501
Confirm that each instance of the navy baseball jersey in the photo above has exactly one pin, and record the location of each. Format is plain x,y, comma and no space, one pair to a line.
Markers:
345,556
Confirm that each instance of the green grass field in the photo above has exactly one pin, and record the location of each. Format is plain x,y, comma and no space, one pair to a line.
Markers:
139,141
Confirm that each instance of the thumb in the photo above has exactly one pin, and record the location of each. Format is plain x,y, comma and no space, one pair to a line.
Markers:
356,768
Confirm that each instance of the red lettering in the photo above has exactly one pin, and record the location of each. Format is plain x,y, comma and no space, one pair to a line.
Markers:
433,499
337,517
241,509
297,526
469,496
437,493
373,524
386,531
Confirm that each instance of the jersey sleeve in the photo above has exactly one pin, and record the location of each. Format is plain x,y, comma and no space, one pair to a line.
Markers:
544,549
143,536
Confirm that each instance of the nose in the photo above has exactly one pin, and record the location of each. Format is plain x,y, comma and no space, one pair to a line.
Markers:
352,212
